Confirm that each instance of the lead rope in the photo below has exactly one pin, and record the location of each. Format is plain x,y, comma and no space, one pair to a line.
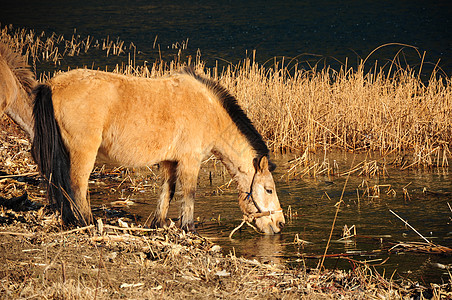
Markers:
241,224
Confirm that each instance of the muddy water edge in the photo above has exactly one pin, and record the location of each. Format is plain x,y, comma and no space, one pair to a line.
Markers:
421,197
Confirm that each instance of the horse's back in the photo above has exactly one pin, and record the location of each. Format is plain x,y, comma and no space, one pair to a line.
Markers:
97,88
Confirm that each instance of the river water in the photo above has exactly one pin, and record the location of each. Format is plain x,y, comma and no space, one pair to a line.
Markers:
421,197
321,31
309,32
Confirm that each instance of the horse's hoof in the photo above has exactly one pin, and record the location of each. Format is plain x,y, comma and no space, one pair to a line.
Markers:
189,227
158,223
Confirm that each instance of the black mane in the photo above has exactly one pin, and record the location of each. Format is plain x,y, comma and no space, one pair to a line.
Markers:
234,110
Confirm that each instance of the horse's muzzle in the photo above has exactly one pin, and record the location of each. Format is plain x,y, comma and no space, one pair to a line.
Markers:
271,224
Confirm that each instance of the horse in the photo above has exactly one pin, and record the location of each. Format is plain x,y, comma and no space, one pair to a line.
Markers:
175,121
16,85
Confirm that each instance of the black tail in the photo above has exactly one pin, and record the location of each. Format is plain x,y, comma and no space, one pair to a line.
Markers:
52,157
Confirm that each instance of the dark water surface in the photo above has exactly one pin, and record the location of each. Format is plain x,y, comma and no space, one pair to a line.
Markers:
226,30
377,228
430,215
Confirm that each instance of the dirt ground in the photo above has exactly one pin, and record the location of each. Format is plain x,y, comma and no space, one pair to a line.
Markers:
115,259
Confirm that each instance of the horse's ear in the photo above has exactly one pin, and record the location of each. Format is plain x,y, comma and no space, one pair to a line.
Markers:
256,162
262,163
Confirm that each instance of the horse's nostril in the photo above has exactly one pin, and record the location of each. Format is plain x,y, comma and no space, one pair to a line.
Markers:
281,224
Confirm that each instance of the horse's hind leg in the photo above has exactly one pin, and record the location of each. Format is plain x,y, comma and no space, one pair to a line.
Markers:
82,163
188,175
169,170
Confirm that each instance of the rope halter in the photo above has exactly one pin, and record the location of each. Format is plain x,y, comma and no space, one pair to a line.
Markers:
260,213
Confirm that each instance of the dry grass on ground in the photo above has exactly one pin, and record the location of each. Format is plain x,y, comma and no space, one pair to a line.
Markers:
40,260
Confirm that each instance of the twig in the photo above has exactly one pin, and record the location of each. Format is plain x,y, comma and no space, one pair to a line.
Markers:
241,224
17,233
129,228
334,221
98,274
406,223
366,262
20,175
75,230
255,229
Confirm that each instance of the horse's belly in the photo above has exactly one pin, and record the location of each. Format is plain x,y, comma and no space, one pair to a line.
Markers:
103,158
140,143
132,155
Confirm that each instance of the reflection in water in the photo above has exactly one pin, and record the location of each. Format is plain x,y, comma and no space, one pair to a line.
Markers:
312,201
263,248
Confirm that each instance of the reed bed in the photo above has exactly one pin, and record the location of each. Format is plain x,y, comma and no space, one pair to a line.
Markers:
387,109
304,111
398,116
39,48
348,109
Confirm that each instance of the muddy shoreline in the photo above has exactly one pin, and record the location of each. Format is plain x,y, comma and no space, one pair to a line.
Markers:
41,259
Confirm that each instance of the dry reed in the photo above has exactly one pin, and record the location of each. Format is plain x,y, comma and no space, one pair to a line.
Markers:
391,111
349,109
304,111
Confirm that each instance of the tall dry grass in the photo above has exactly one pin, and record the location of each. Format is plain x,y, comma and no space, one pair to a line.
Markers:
53,48
388,110
304,111
348,109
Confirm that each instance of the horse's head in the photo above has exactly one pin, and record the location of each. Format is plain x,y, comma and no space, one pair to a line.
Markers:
261,203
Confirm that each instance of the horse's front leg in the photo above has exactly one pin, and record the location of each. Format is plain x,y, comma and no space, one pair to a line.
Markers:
188,175
169,172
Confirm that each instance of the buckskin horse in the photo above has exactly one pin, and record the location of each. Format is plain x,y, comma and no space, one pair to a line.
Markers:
175,121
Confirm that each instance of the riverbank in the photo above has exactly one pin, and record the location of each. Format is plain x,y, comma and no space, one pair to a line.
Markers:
39,259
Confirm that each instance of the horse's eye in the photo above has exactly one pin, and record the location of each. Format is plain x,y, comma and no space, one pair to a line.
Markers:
269,191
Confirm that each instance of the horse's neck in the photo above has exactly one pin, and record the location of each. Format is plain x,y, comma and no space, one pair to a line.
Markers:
237,155
20,110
